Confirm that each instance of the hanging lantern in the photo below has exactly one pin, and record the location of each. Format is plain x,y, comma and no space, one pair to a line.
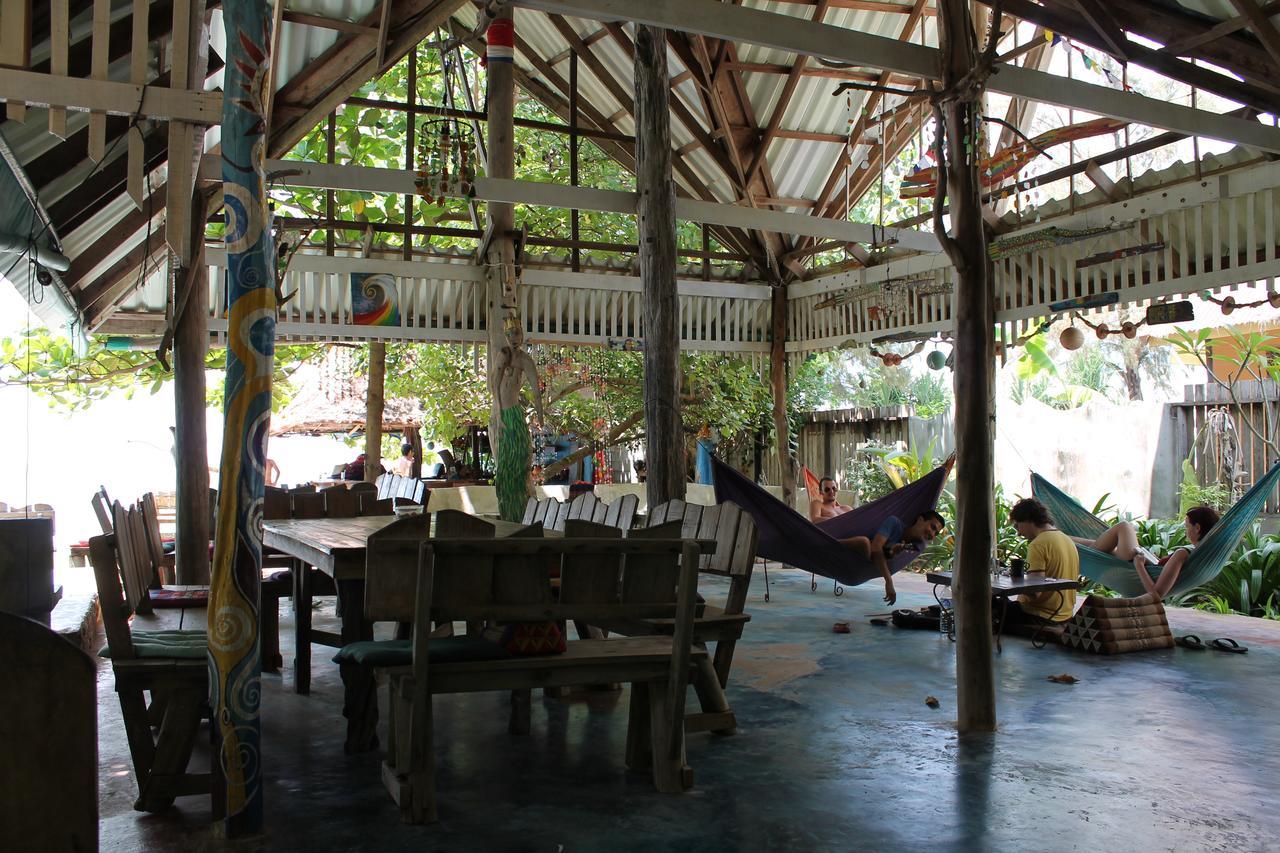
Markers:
1102,331
1071,338
1129,330
1273,299
936,360
1228,305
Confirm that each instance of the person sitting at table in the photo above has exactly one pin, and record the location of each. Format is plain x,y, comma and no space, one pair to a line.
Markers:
890,538
404,465
1051,551
826,506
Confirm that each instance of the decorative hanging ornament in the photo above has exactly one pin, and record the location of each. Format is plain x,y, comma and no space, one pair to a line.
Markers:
1102,331
1129,330
936,360
1228,304
1071,338
1273,299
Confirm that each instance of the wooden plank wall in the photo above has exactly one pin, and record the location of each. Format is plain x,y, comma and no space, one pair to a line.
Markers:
1259,408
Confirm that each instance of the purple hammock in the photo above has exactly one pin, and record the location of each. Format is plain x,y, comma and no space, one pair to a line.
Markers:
789,537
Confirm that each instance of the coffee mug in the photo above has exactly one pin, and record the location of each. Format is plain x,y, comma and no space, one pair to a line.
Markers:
1017,567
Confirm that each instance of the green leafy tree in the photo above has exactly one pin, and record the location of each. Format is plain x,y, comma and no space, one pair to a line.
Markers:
71,380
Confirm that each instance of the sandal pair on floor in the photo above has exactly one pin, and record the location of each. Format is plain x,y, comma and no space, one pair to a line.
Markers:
1222,644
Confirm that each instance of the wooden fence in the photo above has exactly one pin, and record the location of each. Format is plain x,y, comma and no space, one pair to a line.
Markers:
1254,436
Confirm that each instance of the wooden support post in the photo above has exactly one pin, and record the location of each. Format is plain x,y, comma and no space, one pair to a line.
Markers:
59,42
135,181
974,359
656,223
190,438
235,665
373,410
573,157
190,45
510,367
15,45
98,71
778,379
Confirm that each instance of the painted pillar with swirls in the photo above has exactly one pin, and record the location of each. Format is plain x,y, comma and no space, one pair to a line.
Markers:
235,661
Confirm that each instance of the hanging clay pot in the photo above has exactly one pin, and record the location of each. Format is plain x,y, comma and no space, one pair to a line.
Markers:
1228,305
936,360
1129,330
1102,331
1071,338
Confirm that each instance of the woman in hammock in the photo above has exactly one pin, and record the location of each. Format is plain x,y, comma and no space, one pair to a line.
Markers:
1122,540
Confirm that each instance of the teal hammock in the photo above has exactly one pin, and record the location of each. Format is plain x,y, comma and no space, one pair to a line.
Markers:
1206,560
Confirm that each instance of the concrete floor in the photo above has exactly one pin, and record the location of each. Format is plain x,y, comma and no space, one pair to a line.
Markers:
836,750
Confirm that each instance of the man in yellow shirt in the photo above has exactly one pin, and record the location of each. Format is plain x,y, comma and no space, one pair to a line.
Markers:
1052,552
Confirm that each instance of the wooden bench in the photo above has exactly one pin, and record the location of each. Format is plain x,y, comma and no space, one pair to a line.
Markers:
179,688
736,536
507,581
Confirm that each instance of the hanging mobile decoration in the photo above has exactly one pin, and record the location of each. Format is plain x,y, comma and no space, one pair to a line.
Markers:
1228,303
936,359
1127,328
1044,238
893,359
1118,254
446,161
893,290
1071,338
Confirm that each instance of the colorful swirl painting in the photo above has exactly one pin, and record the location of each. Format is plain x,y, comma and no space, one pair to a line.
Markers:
235,663
375,299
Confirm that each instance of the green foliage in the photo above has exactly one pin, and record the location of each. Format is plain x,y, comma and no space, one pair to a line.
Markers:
940,553
1192,494
1249,582
50,366
850,379
1038,376
1251,357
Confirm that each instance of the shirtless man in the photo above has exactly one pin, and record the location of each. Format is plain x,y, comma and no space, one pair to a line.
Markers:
826,506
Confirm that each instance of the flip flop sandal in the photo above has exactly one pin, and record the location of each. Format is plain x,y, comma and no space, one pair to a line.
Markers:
1226,644
1191,641
879,622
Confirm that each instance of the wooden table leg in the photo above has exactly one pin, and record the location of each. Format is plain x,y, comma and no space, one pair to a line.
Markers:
359,688
302,627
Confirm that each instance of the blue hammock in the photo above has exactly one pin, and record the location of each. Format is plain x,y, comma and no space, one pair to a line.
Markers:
1206,560
791,538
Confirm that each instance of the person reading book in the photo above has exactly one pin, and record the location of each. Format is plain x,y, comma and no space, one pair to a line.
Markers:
1122,540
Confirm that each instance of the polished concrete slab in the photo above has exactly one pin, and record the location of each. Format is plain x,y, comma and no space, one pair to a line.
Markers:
836,750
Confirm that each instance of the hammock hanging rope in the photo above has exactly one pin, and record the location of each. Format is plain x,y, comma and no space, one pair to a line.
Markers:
789,537
1206,560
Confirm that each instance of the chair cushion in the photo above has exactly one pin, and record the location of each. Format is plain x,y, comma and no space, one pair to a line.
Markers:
190,645
527,639
179,597
400,652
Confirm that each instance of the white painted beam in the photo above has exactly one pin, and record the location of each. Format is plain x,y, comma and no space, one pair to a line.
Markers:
796,35
78,93
400,181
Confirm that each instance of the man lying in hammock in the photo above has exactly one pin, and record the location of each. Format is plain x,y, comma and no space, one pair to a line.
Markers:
890,538
1122,541
826,506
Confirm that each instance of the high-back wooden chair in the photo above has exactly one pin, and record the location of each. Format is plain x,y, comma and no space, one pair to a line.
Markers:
173,667
162,563
583,508
275,503
306,504
370,505
621,513
549,512
339,502
102,509
736,537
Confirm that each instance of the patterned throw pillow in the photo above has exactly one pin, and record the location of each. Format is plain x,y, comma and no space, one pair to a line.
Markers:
533,638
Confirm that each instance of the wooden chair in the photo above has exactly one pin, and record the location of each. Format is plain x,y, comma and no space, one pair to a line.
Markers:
583,508
49,775
549,512
736,536
306,504
179,687
102,509
621,513
340,502
361,490
506,581
162,563
372,506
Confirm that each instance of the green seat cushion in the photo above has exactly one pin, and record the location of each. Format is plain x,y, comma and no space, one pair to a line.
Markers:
192,644
400,652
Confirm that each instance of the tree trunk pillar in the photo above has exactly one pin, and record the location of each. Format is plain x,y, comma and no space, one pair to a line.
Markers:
190,437
373,407
974,365
510,367
663,425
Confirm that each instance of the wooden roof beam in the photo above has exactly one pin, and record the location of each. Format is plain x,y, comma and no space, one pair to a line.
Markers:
1186,45
1105,26
1261,26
